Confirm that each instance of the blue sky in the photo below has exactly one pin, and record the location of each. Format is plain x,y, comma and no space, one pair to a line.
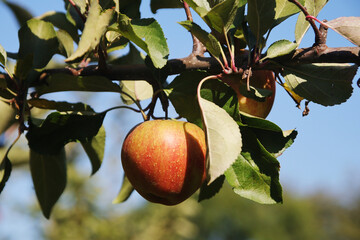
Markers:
324,157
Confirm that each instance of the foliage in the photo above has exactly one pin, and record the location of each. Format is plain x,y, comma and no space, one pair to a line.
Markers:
223,217
242,149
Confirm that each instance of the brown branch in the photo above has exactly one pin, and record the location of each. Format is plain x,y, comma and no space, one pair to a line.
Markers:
318,37
198,48
176,66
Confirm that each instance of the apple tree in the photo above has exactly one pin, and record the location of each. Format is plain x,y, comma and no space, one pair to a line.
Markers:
226,84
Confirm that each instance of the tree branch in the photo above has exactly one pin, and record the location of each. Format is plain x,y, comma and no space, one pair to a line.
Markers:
317,54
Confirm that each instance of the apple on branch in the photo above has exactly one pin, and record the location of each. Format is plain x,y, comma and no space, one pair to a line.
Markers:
165,160
260,79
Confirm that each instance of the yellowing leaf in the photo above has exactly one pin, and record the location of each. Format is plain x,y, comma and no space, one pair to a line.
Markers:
296,97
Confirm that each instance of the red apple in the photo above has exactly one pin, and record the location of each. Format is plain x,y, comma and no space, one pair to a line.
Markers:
165,160
261,79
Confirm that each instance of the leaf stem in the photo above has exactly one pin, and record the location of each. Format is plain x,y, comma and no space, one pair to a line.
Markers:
309,19
77,10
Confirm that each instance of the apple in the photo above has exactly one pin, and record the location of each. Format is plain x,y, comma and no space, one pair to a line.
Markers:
164,160
261,79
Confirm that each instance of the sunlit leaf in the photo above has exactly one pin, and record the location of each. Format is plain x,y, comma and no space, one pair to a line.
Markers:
138,90
38,40
5,171
348,27
125,191
209,41
95,26
66,43
222,16
223,138
148,35
48,172
202,7
59,20
302,25
280,48
285,9
255,174
3,56
325,84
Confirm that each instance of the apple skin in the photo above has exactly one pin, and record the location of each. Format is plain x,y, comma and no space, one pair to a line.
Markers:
164,160
262,79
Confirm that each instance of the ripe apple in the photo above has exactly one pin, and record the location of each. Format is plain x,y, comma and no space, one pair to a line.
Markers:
261,79
165,160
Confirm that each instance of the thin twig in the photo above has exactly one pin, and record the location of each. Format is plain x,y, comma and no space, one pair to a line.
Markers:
198,48
309,19
77,10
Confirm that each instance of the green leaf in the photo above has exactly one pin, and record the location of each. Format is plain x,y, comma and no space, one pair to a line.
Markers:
255,174
274,140
348,27
64,82
66,44
261,15
3,56
325,84
182,92
134,56
148,35
8,114
223,138
115,41
38,40
280,48
138,90
59,20
201,7
130,8
125,191
95,27
285,9
95,148
208,191
48,172
60,106
302,25
5,171
160,4
210,42
59,129
247,181
222,16
21,14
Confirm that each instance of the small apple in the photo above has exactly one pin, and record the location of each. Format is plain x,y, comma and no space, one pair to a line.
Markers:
261,79
165,160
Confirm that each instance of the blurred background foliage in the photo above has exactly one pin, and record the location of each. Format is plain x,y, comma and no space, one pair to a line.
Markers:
226,216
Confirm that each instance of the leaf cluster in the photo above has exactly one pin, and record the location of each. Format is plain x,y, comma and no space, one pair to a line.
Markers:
242,149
